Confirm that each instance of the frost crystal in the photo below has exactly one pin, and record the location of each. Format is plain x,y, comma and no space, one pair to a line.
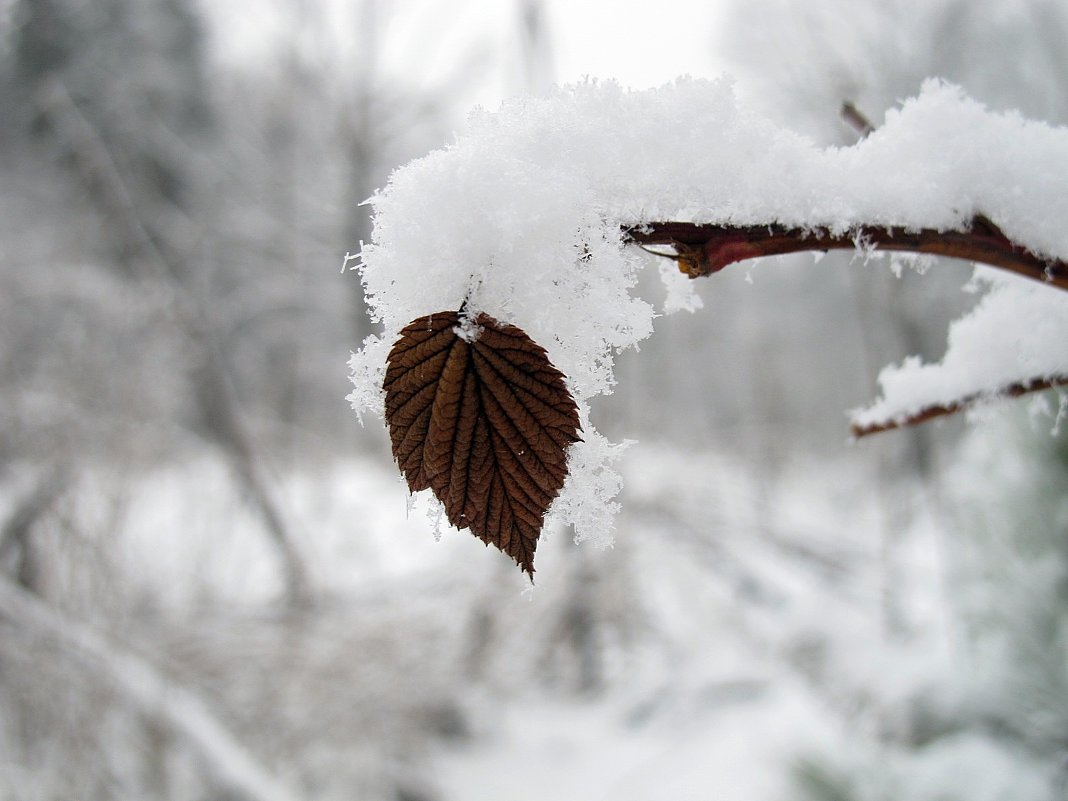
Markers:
468,330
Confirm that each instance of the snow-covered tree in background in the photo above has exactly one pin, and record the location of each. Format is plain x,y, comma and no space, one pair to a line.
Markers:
983,714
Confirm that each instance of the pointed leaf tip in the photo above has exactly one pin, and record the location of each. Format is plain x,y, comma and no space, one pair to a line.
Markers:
478,414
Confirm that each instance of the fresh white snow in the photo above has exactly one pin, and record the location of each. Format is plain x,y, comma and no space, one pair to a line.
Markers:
1017,332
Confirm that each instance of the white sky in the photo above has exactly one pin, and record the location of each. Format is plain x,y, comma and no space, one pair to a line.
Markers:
640,43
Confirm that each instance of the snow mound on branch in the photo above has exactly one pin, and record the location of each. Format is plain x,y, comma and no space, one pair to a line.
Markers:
1019,328
520,217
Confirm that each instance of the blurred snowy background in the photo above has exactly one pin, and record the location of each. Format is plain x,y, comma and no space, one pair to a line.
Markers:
211,583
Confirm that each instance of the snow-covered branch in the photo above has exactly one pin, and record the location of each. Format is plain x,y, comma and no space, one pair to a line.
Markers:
923,415
703,249
236,772
526,218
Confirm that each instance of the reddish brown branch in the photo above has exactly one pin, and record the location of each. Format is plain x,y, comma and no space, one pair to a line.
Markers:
705,249
931,412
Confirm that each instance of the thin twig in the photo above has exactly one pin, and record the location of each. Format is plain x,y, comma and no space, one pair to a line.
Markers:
1014,390
857,120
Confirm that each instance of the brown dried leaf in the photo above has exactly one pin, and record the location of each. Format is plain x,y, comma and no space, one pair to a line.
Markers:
485,424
